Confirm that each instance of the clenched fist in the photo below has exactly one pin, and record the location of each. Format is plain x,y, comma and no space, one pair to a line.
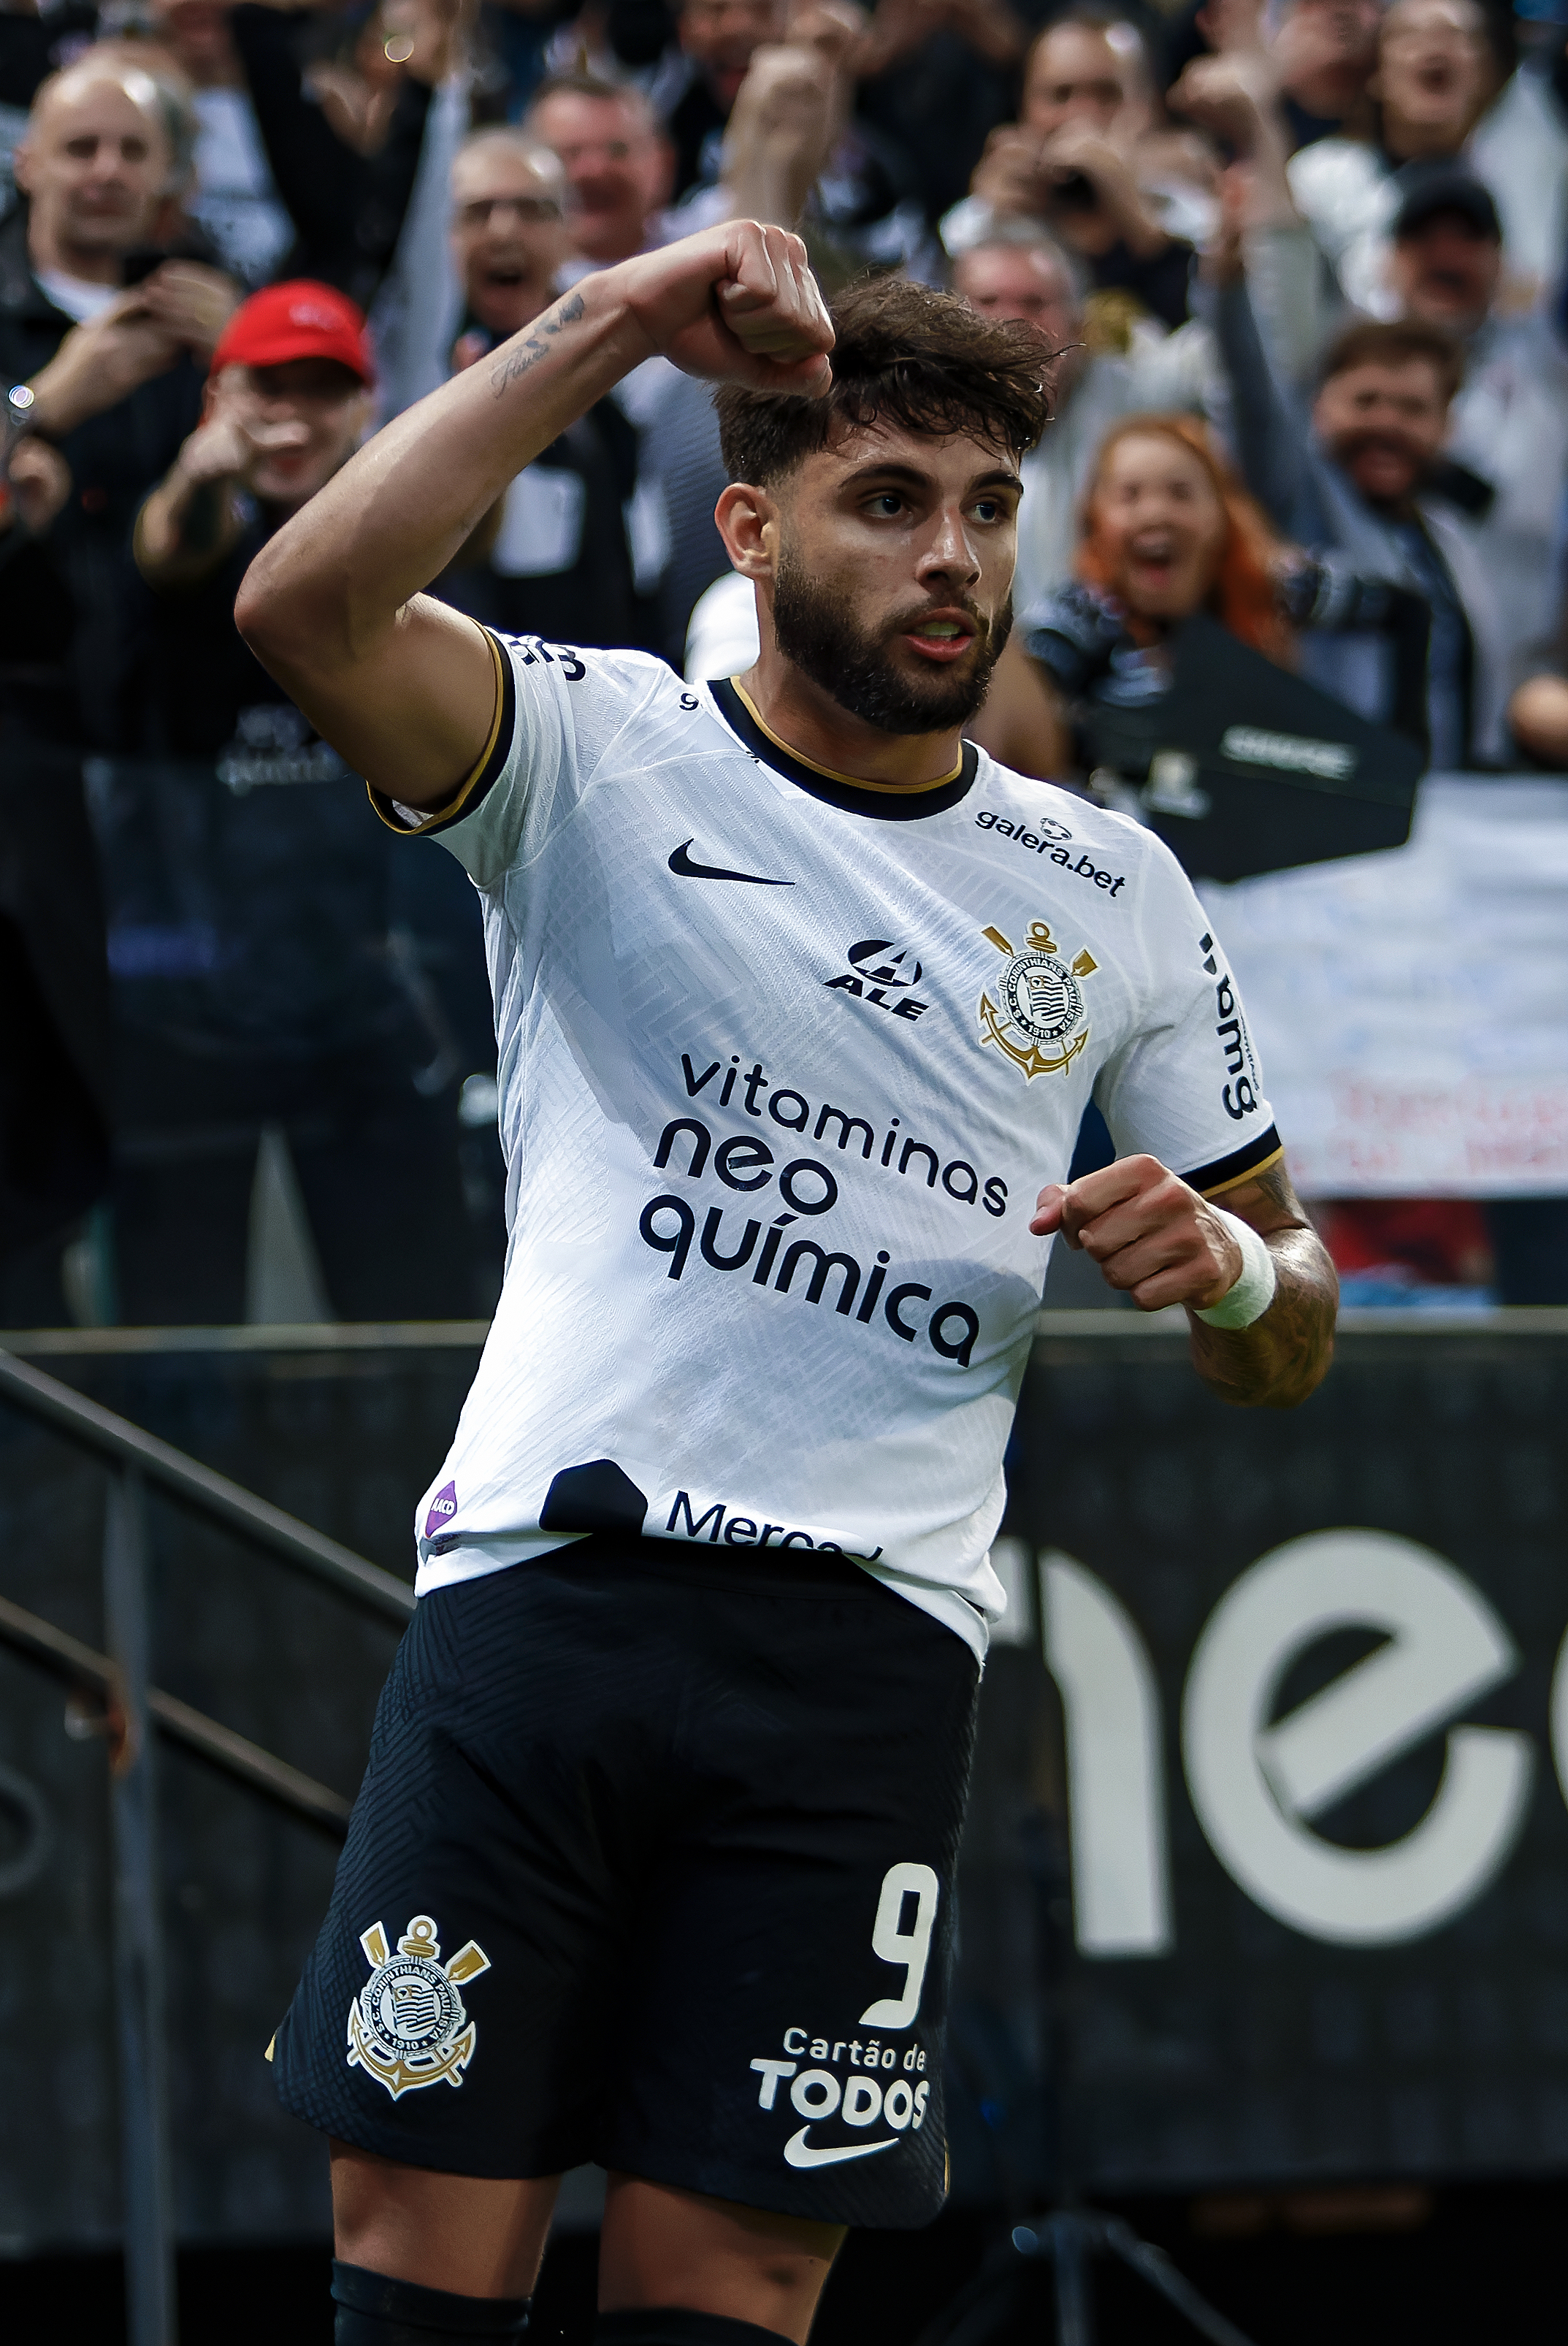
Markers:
1152,1237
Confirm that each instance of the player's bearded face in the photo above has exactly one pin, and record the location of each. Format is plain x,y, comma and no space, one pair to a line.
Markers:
868,667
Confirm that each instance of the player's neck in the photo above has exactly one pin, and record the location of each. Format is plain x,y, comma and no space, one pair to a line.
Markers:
809,722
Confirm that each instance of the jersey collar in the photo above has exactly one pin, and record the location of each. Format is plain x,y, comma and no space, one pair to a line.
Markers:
849,797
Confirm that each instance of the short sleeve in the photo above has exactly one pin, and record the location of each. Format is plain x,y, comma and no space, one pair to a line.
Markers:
555,709
1185,1085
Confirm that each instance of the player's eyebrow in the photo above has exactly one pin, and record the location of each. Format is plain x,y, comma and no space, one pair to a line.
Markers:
911,476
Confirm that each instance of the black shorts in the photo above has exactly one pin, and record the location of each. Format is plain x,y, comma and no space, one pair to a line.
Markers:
653,1865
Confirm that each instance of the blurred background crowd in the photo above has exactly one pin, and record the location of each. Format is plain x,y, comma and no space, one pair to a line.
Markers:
1303,261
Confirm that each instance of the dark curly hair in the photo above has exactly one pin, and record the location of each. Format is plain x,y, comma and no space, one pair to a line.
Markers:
1394,342
905,355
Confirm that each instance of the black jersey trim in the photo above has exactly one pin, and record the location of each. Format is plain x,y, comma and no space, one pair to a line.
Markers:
1242,1165
879,806
481,781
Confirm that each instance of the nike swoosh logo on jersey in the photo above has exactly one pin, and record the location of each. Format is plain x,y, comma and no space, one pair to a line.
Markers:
681,864
798,2152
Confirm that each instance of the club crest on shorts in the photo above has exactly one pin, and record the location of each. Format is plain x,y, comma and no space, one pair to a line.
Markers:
1037,1015
407,2025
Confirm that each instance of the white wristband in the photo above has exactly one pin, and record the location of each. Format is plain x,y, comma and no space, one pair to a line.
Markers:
1253,1292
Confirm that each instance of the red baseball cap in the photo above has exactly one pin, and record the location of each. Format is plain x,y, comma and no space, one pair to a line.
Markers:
298,319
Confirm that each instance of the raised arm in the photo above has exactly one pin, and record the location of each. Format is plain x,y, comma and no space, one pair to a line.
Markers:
400,685
1161,1243
1270,441
318,175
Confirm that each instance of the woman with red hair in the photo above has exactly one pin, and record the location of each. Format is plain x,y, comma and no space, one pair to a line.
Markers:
1168,531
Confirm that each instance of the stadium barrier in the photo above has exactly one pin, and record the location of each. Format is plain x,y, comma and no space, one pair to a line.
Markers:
129,1709
1264,1878
1280,1734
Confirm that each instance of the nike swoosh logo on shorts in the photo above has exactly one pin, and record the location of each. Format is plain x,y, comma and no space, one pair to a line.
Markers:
681,864
798,2152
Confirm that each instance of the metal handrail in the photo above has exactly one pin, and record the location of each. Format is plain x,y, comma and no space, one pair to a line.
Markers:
133,1708
69,1658
228,1504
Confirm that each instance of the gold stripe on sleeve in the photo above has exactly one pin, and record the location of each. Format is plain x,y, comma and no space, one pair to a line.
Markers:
1238,1180
382,801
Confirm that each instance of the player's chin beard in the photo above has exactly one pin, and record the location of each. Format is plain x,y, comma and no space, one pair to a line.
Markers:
817,630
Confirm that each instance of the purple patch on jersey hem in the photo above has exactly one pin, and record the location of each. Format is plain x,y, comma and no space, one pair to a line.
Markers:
443,1507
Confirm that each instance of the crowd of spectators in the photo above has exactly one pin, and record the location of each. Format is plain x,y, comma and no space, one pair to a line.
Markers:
1298,267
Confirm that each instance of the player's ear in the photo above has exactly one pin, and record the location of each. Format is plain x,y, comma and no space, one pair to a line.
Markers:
747,520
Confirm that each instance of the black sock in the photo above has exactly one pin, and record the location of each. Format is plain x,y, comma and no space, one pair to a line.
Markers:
376,2310
672,2325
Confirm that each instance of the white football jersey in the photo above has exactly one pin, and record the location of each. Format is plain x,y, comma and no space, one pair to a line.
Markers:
784,1061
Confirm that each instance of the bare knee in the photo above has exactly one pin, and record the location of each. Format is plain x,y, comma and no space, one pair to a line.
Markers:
661,2247
474,2235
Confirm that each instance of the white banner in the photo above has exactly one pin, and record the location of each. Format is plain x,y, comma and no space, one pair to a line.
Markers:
1411,1009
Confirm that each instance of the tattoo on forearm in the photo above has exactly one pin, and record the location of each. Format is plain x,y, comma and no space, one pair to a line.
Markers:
1273,1189
538,345
1277,1362
1276,1187
1279,1359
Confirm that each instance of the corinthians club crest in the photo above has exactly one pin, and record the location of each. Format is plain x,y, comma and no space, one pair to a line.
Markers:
1036,1016
407,2025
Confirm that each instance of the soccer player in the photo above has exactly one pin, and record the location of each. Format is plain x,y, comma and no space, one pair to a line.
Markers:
800,999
